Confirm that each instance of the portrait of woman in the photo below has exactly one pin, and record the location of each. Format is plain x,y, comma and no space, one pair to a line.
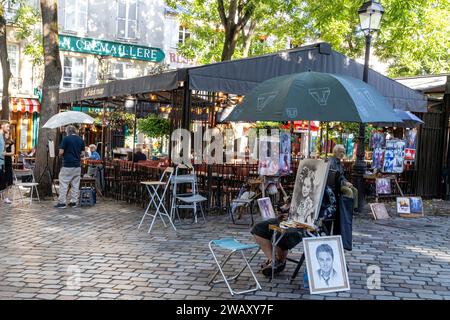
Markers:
308,190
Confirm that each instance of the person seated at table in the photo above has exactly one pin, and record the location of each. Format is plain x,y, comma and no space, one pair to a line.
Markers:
347,189
263,235
94,154
139,155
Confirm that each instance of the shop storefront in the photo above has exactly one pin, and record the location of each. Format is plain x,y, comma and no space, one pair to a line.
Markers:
24,123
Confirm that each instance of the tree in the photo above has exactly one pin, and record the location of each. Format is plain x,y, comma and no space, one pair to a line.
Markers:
222,30
6,71
50,88
413,38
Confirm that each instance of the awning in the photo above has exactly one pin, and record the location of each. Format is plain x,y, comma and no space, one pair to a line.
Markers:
24,105
240,76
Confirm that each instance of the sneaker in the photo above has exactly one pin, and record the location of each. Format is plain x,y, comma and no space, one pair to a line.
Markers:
7,201
61,206
73,204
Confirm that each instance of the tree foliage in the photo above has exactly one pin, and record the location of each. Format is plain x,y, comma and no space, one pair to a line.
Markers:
413,38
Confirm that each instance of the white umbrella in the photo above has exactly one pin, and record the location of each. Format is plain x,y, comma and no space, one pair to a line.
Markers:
68,117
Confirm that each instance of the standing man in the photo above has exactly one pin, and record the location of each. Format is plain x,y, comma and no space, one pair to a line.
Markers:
71,149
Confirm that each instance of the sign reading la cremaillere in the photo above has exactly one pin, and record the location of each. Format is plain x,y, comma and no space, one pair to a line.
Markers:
109,48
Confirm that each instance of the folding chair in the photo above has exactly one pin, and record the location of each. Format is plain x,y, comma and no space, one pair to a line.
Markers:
31,185
186,200
233,246
153,188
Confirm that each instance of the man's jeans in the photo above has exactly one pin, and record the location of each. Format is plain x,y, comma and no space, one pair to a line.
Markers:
69,176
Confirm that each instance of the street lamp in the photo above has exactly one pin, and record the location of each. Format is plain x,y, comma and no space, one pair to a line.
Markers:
370,15
130,104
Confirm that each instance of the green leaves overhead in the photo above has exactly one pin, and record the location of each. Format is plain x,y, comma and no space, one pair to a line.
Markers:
413,40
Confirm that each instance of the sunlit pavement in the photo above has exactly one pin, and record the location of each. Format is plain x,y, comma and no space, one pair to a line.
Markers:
98,253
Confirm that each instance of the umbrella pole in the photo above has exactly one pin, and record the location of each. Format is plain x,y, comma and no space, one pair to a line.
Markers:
309,139
326,141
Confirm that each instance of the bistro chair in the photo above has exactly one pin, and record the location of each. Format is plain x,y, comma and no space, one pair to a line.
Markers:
188,200
232,245
32,185
153,188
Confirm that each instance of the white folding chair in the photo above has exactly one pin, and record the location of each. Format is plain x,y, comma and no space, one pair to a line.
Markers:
190,200
153,188
33,185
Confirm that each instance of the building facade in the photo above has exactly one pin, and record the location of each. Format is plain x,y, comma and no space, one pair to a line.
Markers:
100,41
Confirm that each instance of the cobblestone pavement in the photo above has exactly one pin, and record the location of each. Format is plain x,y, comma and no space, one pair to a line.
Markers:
42,249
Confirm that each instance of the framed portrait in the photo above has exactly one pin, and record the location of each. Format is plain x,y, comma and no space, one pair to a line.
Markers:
309,186
379,211
410,154
416,205
325,264
266,208
411,138
377,158
403,205
394,156
383,186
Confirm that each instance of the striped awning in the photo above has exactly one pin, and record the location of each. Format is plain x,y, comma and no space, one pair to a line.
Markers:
24,105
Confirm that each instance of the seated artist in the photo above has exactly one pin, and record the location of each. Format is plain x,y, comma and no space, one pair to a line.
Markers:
347,189
263,235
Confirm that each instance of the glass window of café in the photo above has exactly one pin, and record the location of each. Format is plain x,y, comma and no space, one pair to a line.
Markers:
73,72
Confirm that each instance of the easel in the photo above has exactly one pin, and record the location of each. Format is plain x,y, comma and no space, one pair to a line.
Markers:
304,229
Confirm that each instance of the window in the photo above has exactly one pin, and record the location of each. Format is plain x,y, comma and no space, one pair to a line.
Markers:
76,15
123,70
183,35
73,72
11,8
127,19
13,57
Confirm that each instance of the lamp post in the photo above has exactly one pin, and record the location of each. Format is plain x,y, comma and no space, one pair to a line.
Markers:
370,15
131,104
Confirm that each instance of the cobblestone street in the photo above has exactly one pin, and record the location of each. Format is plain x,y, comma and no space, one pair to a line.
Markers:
42,249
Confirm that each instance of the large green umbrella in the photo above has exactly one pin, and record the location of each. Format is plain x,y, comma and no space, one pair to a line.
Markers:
314,96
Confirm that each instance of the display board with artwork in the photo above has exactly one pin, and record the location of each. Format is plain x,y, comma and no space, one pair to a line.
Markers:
410,205
383,186
379,211
394,156
325,264
275,155
266,208
308,191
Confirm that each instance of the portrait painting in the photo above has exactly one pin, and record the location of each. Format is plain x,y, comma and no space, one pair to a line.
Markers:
403,205
410,154
379,211
266,208
285,154
377,160
309,186
394,156
377,140
325,264
411,138
416,205
269,155
383,186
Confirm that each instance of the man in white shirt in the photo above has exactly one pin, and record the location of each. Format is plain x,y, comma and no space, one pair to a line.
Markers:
326,276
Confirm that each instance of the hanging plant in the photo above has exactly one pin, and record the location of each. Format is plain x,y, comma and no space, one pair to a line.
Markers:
120,119
154,126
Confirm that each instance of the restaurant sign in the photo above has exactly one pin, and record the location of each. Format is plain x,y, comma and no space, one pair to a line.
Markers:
109,48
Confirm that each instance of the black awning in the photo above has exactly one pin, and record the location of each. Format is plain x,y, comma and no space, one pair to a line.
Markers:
161,82
241,76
